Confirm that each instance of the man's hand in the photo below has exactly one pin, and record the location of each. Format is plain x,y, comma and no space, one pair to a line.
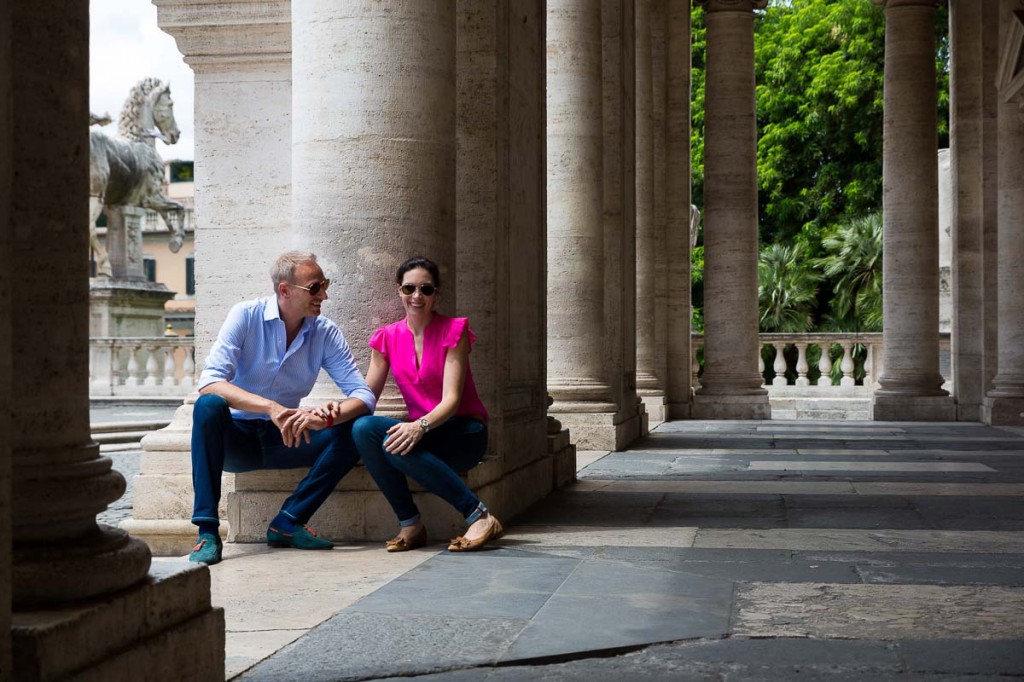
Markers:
332,408
296,427
403,437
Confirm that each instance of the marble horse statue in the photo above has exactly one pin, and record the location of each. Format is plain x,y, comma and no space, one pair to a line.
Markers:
127,171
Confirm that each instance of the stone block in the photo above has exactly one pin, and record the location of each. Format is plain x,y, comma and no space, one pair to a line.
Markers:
120,636
731,407
656,407
166,537
905,408
600,430
1000,411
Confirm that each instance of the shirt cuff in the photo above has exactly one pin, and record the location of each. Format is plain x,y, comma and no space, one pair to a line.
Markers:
205,379
366,396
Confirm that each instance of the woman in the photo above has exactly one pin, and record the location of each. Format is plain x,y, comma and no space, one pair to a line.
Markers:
447,428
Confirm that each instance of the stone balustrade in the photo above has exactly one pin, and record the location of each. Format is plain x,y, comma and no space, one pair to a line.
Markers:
141,366
797,359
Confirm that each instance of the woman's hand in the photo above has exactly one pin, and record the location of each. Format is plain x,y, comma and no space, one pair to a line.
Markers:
332,408
403,437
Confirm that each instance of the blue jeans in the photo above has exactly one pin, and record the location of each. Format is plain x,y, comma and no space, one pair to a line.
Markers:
458,445
221,443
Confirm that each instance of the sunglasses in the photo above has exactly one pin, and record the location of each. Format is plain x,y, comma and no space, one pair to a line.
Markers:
313,288
425,289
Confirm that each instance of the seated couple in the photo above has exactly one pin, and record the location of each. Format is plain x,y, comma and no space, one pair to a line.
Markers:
266,359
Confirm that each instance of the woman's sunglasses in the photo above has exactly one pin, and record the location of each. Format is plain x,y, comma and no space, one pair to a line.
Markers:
425,289
313,288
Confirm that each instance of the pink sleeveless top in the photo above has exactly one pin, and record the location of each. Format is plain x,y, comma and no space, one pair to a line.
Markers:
422,386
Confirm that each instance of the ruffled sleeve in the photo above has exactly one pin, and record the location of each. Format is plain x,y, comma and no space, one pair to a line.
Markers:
379,342
454,332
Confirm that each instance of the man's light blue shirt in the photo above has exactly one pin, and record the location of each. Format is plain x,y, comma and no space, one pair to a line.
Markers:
251,353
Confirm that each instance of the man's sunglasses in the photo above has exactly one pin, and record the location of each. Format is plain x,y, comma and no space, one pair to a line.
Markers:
425,289
313,288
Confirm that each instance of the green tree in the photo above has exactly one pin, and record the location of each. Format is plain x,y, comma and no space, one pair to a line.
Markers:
787,288
854,264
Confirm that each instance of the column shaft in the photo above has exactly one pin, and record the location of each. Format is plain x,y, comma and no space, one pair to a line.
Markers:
965,132
647,242
59,481
731,384
373,150
677,207
910,383
575,248
1005,403
6,359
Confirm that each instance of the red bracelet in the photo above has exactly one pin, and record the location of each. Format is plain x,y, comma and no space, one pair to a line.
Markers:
330,421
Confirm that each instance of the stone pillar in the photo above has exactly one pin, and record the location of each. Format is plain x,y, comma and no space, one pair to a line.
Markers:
731,385
500,199
373,151
649,242
242,64
72,577
1004,404
677,207
966,95
6,359
990,189
910,383
575,259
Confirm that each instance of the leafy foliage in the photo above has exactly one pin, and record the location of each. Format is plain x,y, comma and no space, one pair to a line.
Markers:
854,265
787,288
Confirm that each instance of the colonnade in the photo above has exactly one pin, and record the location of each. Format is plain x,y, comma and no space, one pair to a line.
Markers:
538,151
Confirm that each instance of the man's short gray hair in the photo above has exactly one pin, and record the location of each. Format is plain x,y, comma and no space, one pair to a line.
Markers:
283,269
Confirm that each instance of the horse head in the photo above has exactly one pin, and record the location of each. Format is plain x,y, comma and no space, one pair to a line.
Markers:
162,108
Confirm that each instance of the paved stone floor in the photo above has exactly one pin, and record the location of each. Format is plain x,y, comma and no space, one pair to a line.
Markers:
710,551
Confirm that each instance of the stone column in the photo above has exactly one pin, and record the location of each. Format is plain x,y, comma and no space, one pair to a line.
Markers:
910,383
1004,403
373,151
990,189
731,385
619,203
576,372
71,577
649,241
967,84
677,207
243,95
972,93
6,359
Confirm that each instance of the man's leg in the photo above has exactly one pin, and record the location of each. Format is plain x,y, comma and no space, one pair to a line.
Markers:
215,438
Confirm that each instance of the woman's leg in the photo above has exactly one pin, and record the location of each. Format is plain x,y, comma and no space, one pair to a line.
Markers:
368,433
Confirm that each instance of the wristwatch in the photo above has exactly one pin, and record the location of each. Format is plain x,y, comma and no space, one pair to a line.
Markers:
424,424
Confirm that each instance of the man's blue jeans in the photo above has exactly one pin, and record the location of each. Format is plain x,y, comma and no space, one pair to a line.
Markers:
221,443
458,445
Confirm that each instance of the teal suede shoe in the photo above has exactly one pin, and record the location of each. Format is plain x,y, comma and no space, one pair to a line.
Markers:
208,549
303,537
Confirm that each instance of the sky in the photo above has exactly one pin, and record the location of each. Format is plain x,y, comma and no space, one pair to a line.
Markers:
125,46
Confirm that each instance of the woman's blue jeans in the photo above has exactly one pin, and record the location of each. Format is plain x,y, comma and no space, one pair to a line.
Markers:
458,445
221,443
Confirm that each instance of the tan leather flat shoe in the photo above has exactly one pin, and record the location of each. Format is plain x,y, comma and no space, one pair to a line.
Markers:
493,532
400,544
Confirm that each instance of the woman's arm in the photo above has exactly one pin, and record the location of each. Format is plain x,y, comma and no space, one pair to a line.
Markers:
378,372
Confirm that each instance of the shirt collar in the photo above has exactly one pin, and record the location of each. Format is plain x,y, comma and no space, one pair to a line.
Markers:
270,310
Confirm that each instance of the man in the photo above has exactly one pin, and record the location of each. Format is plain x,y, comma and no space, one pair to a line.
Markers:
265,360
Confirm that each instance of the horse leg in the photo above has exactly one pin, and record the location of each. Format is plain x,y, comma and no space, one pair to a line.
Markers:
99,253
173,214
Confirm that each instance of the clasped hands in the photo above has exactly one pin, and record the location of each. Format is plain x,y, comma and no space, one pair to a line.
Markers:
295,424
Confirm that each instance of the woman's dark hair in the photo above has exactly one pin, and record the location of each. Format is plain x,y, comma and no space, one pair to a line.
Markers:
419,262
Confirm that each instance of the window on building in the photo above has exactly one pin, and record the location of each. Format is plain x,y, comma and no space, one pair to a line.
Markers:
190,275
149,267
182,171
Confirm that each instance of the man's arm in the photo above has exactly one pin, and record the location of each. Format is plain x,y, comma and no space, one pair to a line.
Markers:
341,367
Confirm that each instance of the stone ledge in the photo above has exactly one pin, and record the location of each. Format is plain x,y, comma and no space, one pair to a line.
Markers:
909,408
56,643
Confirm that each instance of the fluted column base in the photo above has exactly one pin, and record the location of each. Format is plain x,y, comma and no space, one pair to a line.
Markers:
604,430
162,629
901,407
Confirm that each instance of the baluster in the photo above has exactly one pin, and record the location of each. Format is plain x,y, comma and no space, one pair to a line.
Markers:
801,365
780,365
760,363
825,365
152,368
188,370
170,363
134,373
120,364
847,364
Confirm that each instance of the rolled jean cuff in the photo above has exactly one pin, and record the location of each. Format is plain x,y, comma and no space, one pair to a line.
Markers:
196,520
410,521
480,510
